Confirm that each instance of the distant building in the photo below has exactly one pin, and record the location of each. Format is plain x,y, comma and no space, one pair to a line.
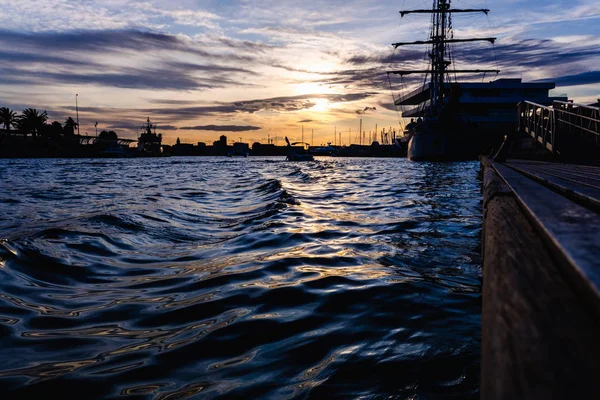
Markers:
240,149
220,146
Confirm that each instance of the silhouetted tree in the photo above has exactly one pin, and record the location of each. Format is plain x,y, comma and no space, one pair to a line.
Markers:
108,135
8,118
54,130
178,141
32,121
69,128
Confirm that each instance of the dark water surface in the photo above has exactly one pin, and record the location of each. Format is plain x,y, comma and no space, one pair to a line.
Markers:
239,278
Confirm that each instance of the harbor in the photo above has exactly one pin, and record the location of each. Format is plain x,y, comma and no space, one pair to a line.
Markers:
267,200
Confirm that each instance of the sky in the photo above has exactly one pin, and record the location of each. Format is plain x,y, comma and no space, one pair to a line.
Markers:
254,70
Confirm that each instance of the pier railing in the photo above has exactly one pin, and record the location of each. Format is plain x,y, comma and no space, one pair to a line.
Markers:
562,127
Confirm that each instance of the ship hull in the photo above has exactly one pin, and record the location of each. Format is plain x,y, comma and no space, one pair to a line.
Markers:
449,140
427,146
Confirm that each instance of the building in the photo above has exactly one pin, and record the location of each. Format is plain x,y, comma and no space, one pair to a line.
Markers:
489,106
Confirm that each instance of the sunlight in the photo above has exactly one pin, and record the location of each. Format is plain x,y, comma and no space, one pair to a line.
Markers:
310,88
321,105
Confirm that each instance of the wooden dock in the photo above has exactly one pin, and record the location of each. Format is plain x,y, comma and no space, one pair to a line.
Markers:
541,280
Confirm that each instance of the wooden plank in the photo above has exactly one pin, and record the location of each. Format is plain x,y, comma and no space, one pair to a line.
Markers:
539,162
586,179
588,196
571,231
586,170
538,341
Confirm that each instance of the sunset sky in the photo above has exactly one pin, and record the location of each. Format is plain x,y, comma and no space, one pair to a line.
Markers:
254,69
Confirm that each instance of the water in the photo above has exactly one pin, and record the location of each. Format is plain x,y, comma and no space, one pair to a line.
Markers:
239,278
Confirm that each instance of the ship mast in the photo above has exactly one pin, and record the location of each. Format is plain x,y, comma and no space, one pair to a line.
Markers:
440,39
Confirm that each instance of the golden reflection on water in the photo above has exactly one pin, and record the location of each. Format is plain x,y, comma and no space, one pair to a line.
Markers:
363,273
233,361
143,389
159,339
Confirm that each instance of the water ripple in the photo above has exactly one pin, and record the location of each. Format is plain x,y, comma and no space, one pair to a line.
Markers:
254,278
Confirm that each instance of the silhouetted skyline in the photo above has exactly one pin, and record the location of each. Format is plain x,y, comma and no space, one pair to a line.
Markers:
265,68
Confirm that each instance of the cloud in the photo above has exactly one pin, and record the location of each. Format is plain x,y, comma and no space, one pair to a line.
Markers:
530,53
97,42
384,57
166,127
366,110
100,41
585,78
305,121
28,58
50,57
222,128
130,78
274,104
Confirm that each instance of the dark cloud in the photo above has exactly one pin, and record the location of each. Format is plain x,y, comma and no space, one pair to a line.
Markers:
110,41
170,76
306,121
510,58
166,127
125,125
130,78
93,41
293,69
222,128
385,57
191,67
527,53
244,44
586,78
276,104
174,102
59,48
366,110
17,57
388,106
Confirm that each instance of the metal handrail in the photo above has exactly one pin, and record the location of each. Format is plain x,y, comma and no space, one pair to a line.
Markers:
538,121
545,123
576,104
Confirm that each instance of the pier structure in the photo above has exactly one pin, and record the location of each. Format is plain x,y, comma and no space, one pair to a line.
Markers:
541,261
565,128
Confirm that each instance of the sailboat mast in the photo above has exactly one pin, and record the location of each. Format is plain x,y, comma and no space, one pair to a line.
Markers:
439,41
438,62
444,5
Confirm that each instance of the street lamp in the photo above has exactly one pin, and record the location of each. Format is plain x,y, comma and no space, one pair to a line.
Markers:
77,109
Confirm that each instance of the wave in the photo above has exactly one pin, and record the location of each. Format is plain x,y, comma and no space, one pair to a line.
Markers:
241,278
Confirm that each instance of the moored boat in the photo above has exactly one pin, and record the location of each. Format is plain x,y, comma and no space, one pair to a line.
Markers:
442,133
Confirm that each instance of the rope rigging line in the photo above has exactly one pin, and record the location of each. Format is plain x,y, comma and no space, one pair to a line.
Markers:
394,97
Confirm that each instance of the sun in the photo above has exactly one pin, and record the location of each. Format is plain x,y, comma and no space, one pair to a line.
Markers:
321,105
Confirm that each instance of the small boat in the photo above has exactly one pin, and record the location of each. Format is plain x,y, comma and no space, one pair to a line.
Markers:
296,154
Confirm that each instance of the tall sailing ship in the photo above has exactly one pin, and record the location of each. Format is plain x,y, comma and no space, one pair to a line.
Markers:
441,133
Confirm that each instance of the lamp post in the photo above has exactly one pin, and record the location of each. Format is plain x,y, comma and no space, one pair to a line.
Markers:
77,109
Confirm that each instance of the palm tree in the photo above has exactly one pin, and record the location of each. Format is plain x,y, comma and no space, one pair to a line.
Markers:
69,128
7,118
31,121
